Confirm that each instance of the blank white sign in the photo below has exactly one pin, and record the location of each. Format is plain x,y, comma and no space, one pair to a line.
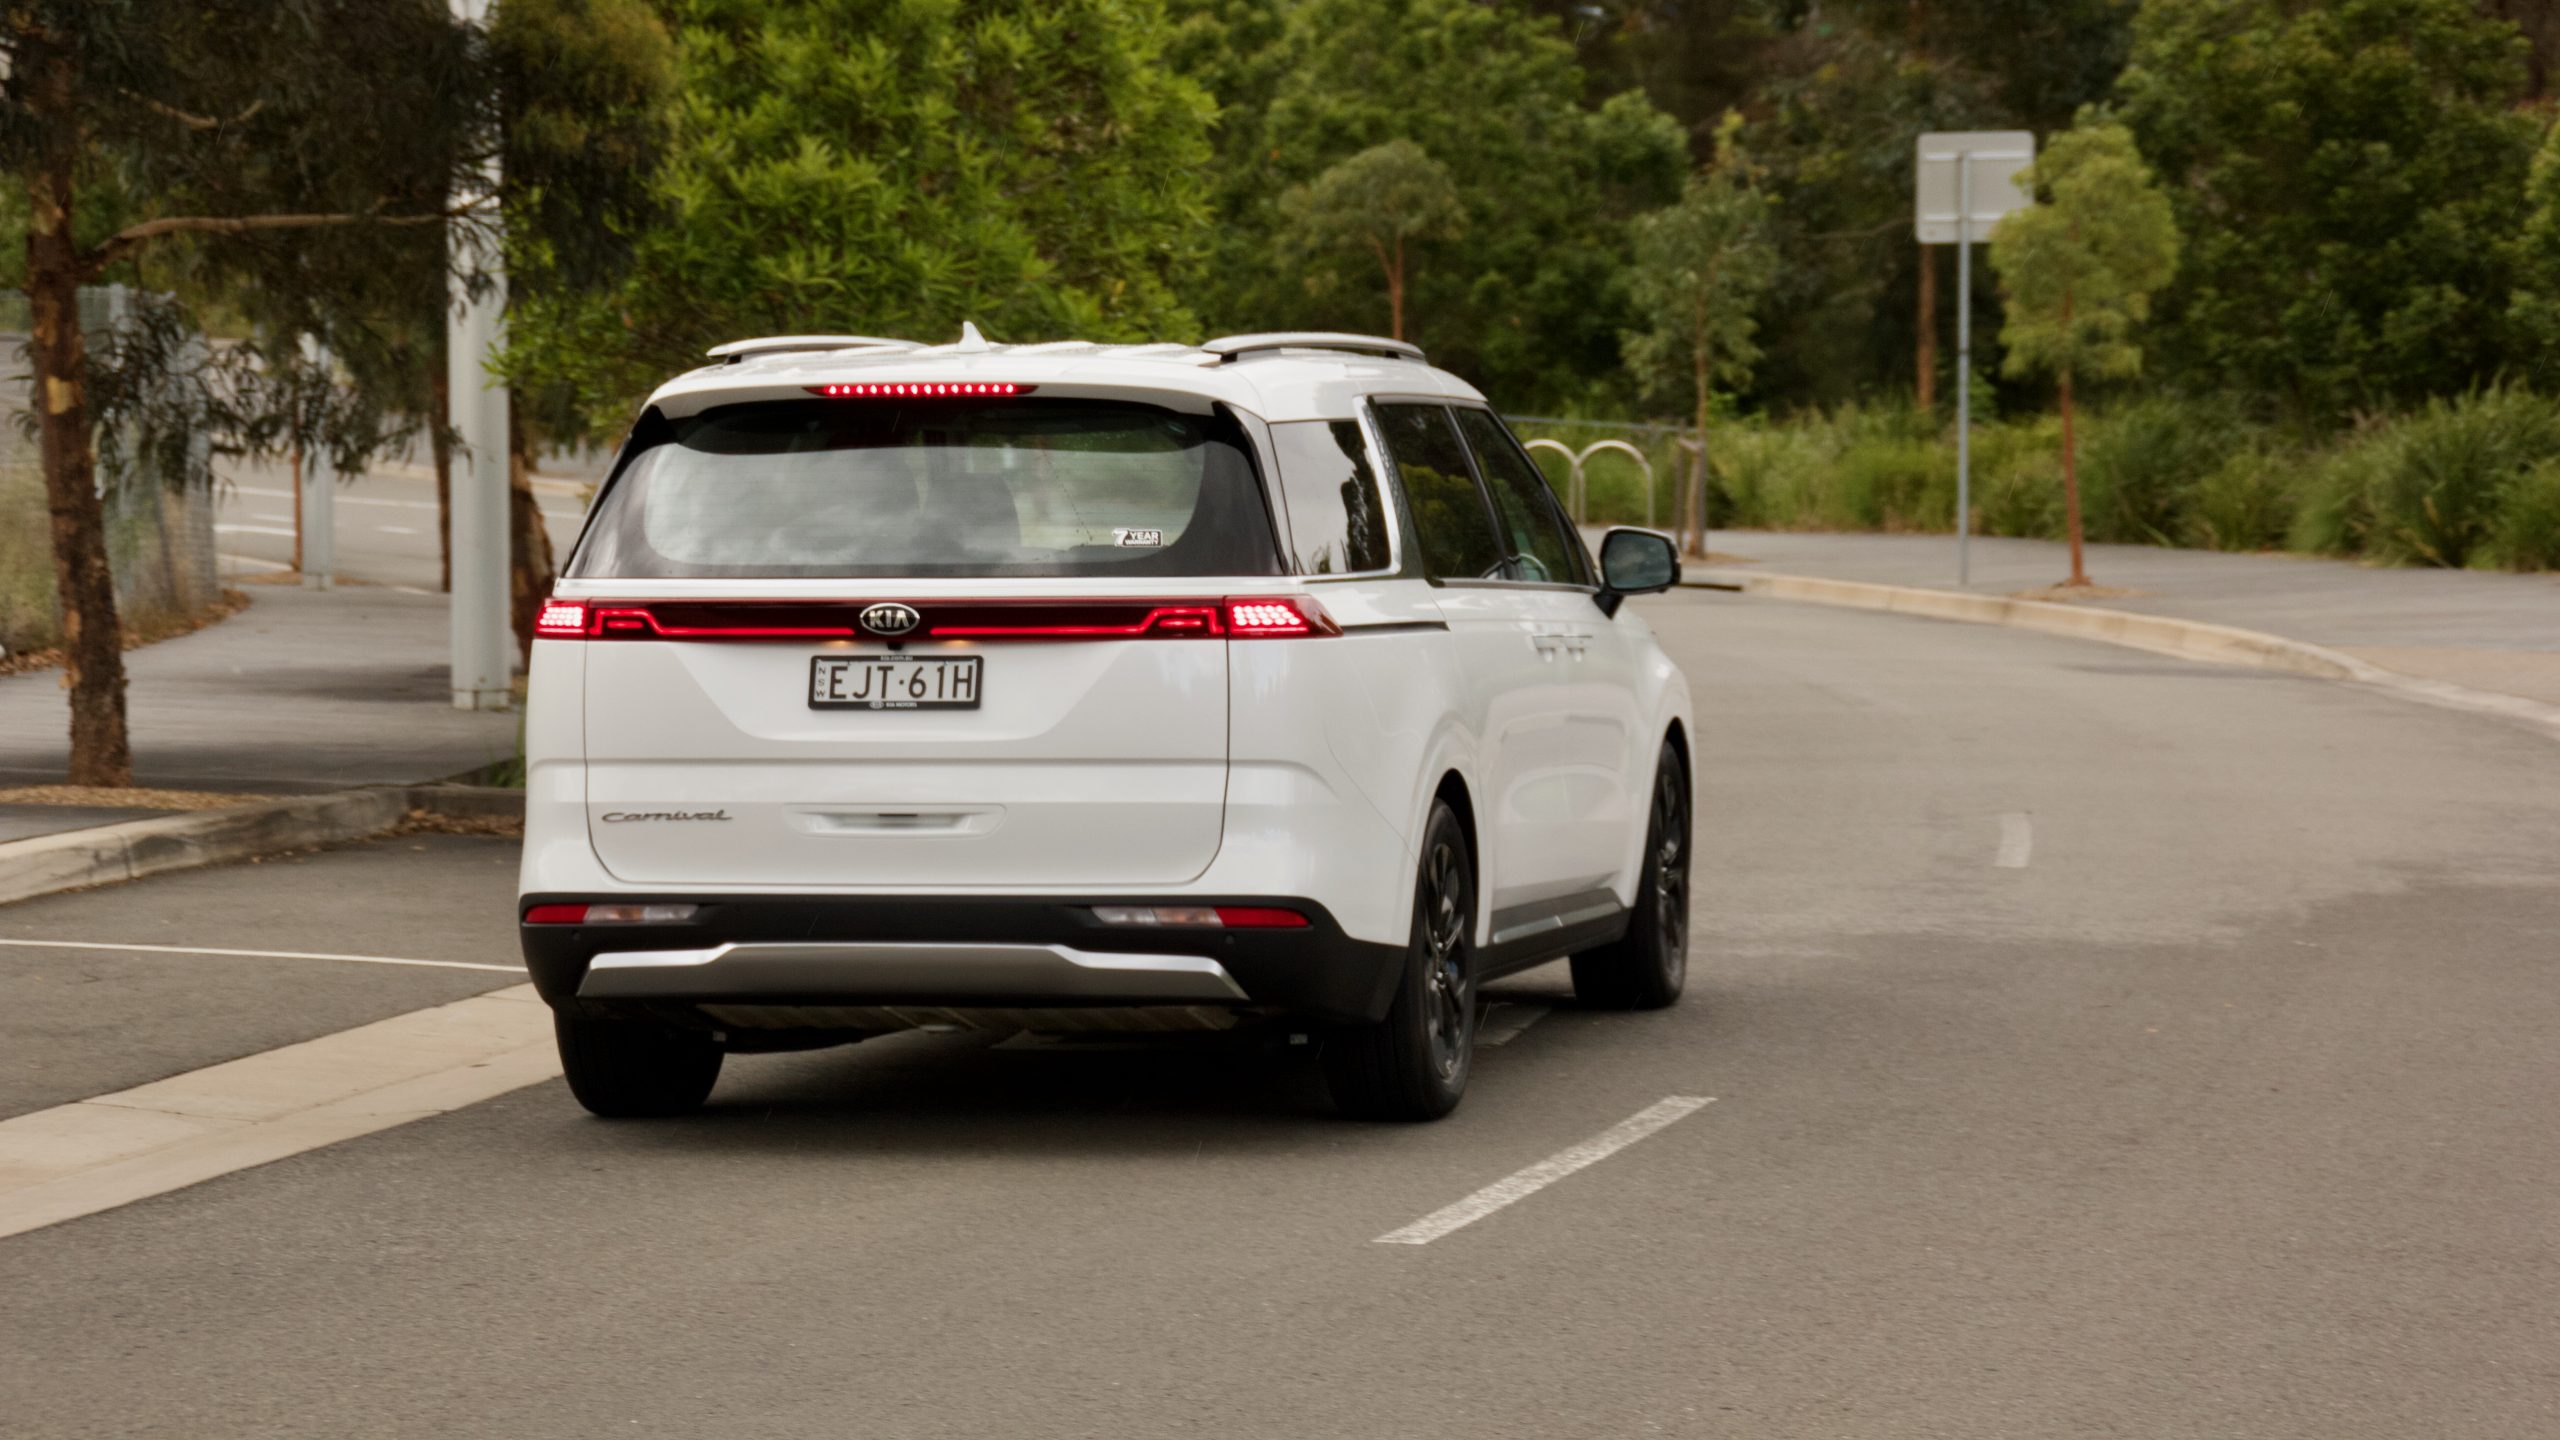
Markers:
1998,157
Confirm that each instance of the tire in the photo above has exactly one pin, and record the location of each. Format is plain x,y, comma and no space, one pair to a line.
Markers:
1413,1065
628,1070
1646,969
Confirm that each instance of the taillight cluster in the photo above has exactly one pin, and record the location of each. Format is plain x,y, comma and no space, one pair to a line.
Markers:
1258,617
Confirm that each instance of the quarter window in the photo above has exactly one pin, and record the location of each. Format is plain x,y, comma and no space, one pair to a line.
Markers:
1535,538
1337,522
1449,514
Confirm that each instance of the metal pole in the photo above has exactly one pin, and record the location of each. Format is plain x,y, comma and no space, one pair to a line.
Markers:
1964,366
483,648
319,491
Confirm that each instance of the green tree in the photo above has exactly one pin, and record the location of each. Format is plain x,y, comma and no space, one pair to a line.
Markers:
586,95
895,167
2078,268
246,127
1530,299
1377,204
2533,313
2351,176
1701,268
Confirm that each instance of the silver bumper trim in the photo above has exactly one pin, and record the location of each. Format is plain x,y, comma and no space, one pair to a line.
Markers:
918,971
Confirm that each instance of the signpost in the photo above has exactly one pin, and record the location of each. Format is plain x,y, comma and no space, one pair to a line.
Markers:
317,508
1967,180
483,647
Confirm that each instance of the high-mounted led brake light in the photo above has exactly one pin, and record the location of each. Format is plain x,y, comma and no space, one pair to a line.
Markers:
928,389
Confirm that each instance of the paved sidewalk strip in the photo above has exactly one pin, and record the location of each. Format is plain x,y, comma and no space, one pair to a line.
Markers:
110,1150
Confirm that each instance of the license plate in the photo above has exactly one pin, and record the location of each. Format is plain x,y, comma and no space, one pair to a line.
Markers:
893,682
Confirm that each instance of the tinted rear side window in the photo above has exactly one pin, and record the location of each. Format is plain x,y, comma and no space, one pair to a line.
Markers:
1449,513
1337,521
1027,487
1540,546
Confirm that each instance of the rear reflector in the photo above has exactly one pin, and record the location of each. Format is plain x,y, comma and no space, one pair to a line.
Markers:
1247,617
608,914
1260,917
1232,917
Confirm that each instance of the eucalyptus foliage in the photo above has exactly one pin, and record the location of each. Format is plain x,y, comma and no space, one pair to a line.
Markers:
895,167
2350,176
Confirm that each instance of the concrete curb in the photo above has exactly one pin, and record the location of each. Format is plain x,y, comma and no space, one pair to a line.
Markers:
2160,634
107,854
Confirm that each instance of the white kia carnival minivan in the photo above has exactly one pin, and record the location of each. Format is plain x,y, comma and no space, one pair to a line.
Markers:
1077,688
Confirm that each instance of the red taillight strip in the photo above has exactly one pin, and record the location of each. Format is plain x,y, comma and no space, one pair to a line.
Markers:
1247,617
1161,622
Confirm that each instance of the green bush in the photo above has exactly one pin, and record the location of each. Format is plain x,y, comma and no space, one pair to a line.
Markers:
2140,464
2528,536
2333,504
2244,503
2017,479
2438,501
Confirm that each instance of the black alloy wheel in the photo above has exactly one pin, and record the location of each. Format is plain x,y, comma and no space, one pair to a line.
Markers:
1414,1064
1647,968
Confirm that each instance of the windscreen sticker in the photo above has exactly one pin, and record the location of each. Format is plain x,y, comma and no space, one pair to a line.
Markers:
1139,537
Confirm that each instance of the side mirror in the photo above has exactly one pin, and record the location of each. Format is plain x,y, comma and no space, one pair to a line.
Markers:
1635,562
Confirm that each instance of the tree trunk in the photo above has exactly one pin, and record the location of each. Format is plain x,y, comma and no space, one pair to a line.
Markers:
1395,292
440,444
529,547
1693,517
92,633
2070,465
293,467
1924,362
2071,484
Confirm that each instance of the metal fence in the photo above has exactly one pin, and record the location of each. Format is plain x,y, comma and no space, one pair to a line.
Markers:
159,534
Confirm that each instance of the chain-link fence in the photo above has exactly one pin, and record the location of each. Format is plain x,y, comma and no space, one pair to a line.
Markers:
159,534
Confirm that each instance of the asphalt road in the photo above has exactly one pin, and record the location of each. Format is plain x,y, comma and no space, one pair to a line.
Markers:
385,523
2100,1046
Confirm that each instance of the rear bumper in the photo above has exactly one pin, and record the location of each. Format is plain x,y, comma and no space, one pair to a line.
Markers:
837,953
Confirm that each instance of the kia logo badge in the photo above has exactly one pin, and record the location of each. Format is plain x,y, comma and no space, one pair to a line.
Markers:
890,618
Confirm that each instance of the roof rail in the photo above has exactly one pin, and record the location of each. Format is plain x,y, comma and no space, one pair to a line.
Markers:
737,350
1232,346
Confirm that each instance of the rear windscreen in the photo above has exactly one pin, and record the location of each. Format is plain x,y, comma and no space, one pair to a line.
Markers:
1021,487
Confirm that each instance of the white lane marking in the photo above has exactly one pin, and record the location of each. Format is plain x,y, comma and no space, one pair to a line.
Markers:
343,499
260,954
111,1150
1504,1020
395,529
408,590
2017,841
1520,1185
252,529
251,562
569,512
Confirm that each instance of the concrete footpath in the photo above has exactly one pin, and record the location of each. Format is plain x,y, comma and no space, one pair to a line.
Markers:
305,691
2484,631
